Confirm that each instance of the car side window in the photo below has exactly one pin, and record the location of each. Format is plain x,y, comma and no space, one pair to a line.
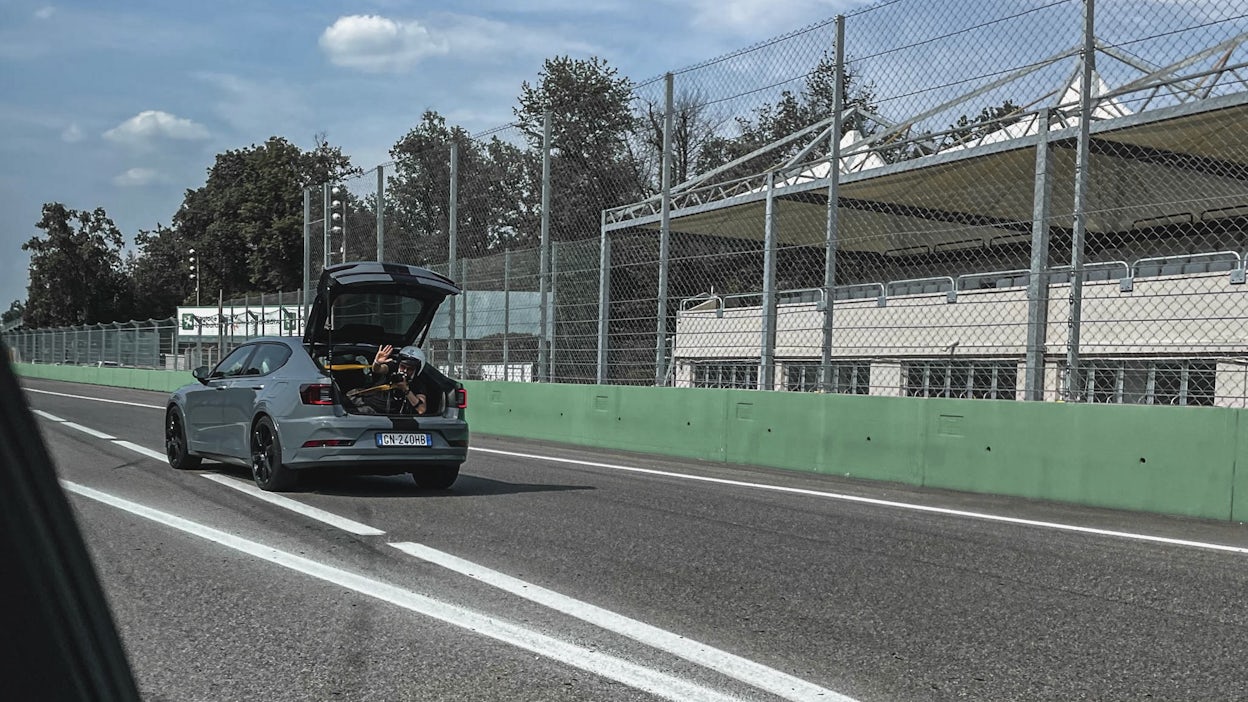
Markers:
234,363
268,358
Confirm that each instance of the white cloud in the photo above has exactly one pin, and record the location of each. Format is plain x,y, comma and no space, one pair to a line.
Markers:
755,17
378,44
153,124
45,12
73,133
136,177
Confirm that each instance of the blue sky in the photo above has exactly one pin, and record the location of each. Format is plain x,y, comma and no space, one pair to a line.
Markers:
124,104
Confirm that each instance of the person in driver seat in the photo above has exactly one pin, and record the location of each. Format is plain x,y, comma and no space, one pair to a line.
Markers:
408,393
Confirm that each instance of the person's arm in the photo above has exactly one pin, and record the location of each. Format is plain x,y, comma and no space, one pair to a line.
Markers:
416,399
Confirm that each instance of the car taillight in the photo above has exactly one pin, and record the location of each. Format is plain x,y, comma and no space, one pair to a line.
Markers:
317,394
461,398
318,443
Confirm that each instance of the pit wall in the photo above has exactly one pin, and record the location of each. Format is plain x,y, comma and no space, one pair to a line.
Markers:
1190,461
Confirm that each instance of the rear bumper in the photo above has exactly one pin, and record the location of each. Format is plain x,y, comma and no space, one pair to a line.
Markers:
448,443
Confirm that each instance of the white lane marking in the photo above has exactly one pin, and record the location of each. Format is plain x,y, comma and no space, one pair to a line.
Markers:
884,503
94,399
286,503
143,450
45,415
743,669
800,491
631,674
88,430
320,515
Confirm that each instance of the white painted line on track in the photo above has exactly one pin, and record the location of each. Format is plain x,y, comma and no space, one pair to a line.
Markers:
597,663
142,450
88,431
797,491
45,415
320,515
882,503
294,506
94,399
743,669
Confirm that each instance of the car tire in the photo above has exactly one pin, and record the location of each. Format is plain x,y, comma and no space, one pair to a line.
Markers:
266,458
439,477
177,450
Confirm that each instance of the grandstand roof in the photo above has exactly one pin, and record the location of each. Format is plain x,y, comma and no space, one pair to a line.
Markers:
1184,160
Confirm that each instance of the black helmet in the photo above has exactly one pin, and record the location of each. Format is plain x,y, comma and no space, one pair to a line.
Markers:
413,355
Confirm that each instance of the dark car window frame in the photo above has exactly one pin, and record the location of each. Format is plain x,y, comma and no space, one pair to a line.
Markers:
254,370
218,374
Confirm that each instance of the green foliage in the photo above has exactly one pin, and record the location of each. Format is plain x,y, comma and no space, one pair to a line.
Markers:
989,119
76,270
246,221
592,168
160,274
790,114
14,313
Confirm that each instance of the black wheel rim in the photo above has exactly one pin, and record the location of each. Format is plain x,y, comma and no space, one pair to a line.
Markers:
174,448
262,454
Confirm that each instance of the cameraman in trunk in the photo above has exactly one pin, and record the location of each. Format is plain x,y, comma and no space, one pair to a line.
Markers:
407,394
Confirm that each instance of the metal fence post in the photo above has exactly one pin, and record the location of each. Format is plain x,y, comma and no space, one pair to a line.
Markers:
381,212
1074,376
767,361
604,298
544,254
554,310
506,312
307,242
665,235
826,381
452,244
1038,281
463,316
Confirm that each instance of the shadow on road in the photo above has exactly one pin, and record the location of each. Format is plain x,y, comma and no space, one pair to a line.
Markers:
391,486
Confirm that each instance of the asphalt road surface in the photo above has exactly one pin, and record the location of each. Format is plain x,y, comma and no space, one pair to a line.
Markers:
550,572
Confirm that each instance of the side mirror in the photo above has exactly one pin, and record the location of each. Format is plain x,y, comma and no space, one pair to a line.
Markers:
201,374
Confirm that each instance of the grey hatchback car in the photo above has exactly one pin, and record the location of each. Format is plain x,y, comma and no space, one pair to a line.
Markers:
281,405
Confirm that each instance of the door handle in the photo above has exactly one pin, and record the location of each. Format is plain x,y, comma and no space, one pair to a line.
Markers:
255,387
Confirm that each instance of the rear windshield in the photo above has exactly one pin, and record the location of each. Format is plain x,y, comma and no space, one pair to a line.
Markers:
378,313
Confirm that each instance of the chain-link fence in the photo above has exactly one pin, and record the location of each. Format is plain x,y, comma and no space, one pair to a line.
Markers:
1028,201
149,344
1031,202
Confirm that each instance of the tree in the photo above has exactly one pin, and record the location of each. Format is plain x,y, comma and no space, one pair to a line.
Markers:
159,274
791,113
246,221
989,119
418,194
16,309
76,270
695,128
592,168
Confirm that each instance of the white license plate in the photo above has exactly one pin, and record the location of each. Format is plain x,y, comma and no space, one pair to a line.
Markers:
404,439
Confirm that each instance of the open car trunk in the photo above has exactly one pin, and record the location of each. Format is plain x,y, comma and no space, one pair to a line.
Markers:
359,390
362,305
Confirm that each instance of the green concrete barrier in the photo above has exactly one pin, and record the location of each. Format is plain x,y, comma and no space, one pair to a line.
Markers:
1172,460
135,378
1189,461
